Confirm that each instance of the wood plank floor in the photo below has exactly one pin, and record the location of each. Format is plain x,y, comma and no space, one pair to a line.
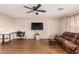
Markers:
27,46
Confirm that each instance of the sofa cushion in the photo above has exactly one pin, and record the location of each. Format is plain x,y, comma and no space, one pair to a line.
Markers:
60,39
70,45
70,38
76,51
77,41
69,34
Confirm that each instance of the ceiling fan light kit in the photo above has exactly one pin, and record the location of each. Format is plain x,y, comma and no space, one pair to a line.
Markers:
35,8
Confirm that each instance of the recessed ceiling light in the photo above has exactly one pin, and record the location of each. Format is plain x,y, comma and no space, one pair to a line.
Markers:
60,8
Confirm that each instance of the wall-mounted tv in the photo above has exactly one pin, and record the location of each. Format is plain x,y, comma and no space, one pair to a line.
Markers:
36,26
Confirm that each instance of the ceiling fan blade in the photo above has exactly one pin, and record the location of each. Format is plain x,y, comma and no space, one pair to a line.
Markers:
28,7
41,10
39,5
30,11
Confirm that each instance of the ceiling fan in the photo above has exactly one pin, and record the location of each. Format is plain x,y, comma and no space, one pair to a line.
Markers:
35,9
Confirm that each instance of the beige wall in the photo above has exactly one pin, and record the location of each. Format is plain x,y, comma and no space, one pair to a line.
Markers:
51,26
63,25
8,24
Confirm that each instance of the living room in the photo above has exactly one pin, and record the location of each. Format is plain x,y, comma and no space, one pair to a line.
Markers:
40,27
23,23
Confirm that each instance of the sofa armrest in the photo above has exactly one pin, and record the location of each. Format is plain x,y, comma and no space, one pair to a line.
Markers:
70,45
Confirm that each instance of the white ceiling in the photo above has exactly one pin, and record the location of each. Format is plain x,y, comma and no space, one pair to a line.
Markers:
18,11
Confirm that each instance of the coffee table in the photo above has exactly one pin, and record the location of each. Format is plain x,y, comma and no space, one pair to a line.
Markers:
52,42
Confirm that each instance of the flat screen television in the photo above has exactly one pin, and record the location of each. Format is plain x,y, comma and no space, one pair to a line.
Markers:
36,26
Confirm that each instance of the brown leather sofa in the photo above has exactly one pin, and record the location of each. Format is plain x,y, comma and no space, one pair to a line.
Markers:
69,41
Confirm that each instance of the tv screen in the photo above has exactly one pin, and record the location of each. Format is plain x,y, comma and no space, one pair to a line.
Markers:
37,26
